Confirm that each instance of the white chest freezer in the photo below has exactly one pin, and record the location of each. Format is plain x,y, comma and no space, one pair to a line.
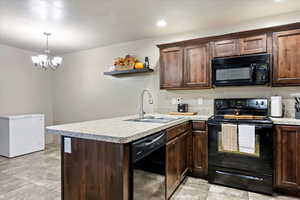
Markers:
21,134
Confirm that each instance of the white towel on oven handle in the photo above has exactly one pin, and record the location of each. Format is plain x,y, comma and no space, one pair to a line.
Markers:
247,138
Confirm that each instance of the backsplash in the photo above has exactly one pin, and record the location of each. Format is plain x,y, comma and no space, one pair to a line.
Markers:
206,108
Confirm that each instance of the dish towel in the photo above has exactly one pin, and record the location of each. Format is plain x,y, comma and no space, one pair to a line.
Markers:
229,137
247,139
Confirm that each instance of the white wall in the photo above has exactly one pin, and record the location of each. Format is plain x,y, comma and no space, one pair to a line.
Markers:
82,92
24,89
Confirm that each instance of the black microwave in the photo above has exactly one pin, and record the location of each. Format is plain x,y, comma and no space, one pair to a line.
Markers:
241,71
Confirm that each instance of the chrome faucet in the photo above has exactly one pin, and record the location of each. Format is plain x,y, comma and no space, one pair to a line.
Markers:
142,112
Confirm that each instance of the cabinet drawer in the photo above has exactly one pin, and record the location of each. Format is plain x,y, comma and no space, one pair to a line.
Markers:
199,125
177,130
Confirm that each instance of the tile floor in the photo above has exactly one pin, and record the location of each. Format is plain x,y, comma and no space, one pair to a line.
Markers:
37,177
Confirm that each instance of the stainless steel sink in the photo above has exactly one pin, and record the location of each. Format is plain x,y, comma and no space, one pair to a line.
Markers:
152,119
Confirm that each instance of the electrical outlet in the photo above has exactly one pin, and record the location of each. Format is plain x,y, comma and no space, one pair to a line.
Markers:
174,101
200,101
67,145
179,100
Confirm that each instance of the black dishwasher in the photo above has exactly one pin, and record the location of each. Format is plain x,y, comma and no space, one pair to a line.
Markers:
148,167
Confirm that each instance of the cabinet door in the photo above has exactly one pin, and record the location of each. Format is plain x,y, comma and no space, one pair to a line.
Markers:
286,52
172,166
171,67
226,48
252,45
184,155
200,154
288,159
197,66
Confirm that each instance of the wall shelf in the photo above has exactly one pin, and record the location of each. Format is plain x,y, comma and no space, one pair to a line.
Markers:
131,71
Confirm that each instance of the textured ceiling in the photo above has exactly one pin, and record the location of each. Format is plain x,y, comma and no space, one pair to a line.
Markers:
83,24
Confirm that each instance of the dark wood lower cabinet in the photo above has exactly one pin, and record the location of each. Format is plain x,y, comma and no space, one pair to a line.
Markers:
287,164
184,154
177,161
200,154
199,149
172,166
95,170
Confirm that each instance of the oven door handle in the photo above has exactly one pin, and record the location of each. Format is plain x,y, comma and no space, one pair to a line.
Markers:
240,175
152,141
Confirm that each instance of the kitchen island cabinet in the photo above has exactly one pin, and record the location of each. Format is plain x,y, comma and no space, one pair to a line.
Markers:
95,170
96,156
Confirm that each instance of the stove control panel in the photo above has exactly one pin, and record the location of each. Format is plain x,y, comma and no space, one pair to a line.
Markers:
242,106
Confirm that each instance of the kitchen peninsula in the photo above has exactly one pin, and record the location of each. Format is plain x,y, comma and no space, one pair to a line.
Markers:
96,155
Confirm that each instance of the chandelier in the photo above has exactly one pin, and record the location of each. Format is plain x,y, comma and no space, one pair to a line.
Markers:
46,61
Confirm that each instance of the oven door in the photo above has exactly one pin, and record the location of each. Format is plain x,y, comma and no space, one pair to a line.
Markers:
234,75
261,162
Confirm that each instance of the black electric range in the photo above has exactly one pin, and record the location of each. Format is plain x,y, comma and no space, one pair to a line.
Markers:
252,172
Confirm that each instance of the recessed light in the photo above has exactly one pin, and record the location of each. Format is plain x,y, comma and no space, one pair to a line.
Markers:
279,1
161,23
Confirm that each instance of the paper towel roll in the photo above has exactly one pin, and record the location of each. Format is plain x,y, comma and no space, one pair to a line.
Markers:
276,106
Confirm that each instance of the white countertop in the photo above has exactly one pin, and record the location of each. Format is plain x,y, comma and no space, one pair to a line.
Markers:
117,130
286,121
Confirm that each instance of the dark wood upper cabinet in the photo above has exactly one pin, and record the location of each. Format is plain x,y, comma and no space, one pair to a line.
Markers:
171,67
287,165
286,53
242,46
225,48
253,45
187,64
197,66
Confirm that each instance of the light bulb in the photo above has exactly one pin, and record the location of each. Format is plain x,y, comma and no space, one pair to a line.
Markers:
57,59
161,23
35,59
